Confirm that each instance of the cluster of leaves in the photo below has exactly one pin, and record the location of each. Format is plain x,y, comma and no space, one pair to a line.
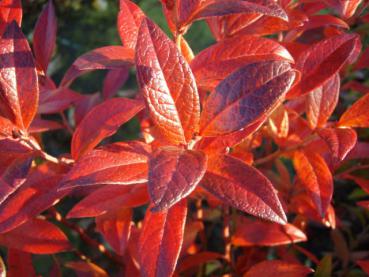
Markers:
248,135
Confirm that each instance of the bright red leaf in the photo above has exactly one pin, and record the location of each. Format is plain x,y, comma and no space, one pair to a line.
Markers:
44,36
10,10
108,57
18,78
339,140
324,59
115,164
161,240
316,178
110,197
129,21
167,84
321,102
101,122
357,115
256,232
216,62
243,187
37,194
277,267
36,236
115,226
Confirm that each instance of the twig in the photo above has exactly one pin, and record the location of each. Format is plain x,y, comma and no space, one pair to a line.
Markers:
227,235
86,238
35,146
66,123
280,152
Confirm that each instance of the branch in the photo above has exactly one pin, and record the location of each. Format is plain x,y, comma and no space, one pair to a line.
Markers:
280,152
85,237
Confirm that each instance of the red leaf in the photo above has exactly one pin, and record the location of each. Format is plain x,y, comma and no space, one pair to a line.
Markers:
222,143
129,21
314,22
339,140
115,226
357,115
345,8
15,162
316,178
245,96
20,264
108,57
323,60
6,127
168,85
55,100
161,240
10,10
115,164
216,62
36,236
110,197
360,151
173,174
256,232
85,104
114,80
363,61
243,187
364,204
44,36
101,122
321,102
37,194
39,126
221,8
18,77
276,267
364,265
198,259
